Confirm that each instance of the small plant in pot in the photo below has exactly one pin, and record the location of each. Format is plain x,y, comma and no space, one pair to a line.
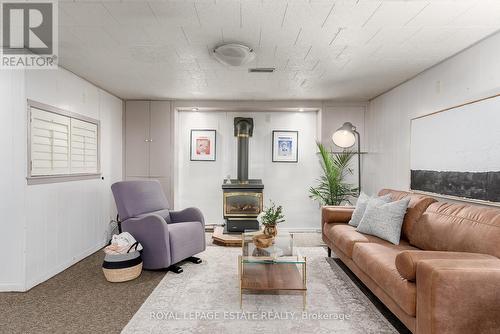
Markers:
270,218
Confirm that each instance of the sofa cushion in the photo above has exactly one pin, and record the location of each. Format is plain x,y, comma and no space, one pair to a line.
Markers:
406,261
458,228
344,237
362,204
384,220
418,204
378,260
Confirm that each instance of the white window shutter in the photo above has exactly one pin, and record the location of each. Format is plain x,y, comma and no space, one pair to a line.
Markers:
84,149
49,143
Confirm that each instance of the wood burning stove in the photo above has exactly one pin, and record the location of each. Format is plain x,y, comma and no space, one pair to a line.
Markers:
242,197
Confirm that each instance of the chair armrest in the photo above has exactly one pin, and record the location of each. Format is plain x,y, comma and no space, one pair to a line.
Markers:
406,261
458,296
336,214
187,215
152,232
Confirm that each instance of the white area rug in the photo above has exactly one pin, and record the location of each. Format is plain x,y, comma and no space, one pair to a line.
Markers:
205,299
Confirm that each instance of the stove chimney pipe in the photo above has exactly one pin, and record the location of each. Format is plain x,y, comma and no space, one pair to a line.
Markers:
243,129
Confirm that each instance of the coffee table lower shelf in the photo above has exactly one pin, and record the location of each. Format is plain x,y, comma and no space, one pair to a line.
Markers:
268,278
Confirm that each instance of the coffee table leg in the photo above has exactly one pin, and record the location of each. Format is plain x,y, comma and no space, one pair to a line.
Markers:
240,273
304,281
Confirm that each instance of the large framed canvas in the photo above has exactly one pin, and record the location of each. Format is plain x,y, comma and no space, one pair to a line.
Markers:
455,152
203,145
285,146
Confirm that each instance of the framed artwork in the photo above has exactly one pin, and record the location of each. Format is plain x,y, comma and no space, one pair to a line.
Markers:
454,152
203,145
285,146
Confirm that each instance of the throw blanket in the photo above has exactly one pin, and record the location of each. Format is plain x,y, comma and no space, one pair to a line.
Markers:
121,243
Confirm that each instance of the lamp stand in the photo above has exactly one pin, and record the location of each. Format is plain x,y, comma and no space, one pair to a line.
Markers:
359,161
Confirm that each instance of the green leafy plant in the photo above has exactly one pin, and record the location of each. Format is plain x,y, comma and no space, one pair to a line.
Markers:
271,215
332,188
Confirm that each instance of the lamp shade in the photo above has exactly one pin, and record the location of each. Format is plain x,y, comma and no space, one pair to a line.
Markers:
344,136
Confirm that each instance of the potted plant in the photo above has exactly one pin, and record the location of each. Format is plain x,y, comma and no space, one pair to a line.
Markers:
270,217
332,189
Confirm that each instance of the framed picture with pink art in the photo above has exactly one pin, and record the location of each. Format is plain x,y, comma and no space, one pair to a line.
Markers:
203,145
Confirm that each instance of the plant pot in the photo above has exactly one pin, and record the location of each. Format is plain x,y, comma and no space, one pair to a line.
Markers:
271,230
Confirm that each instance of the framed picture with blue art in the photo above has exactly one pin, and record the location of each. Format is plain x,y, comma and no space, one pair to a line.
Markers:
285,146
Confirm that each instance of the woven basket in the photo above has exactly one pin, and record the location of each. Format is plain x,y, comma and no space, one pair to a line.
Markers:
122,267
122,275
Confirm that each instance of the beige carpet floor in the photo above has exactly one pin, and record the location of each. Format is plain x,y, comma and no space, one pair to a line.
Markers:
80,300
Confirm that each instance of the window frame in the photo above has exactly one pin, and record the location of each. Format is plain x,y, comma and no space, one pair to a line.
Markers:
42,179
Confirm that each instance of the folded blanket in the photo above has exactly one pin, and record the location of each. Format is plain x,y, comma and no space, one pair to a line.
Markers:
121,243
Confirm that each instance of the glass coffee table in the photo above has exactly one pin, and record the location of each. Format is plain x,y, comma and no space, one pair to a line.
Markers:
277,268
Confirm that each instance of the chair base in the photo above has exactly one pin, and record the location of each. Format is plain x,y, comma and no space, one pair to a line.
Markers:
178,269
194,259
175,269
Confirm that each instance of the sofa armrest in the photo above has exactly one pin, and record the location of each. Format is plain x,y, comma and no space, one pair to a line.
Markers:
458,296
152,232
336,214
406,261
187,215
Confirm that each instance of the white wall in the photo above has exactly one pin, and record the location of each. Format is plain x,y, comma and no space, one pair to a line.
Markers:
304,214
470,75
62,222
285,183
12,179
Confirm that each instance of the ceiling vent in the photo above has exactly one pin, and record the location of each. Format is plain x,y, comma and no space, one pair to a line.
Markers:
234,54
262,70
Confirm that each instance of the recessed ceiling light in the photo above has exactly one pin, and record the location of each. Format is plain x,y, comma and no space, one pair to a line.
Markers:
194,109
301,109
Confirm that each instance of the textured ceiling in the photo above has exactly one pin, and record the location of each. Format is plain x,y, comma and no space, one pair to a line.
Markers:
344,50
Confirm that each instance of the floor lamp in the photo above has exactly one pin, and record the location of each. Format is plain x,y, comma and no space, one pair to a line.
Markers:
345,137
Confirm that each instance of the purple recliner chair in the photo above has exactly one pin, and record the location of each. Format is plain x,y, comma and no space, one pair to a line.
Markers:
167,237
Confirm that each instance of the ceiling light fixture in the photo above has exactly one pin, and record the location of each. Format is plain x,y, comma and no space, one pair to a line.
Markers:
194,109
301,109
234,54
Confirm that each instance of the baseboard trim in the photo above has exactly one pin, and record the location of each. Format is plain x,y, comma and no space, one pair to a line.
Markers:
300,229
11,287
51,273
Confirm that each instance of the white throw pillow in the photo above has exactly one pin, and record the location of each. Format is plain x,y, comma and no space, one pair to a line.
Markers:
384,220
361,204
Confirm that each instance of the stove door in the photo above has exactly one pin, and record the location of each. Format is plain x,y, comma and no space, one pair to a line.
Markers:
242,204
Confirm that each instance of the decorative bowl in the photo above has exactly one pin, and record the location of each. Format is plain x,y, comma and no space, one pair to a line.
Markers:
263,240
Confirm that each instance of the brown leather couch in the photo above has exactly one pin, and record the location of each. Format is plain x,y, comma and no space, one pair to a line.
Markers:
443,277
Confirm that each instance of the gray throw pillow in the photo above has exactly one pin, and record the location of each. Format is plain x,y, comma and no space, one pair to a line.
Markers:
384,220
361,204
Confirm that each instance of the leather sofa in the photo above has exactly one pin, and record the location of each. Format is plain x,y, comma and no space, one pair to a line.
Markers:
443,277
